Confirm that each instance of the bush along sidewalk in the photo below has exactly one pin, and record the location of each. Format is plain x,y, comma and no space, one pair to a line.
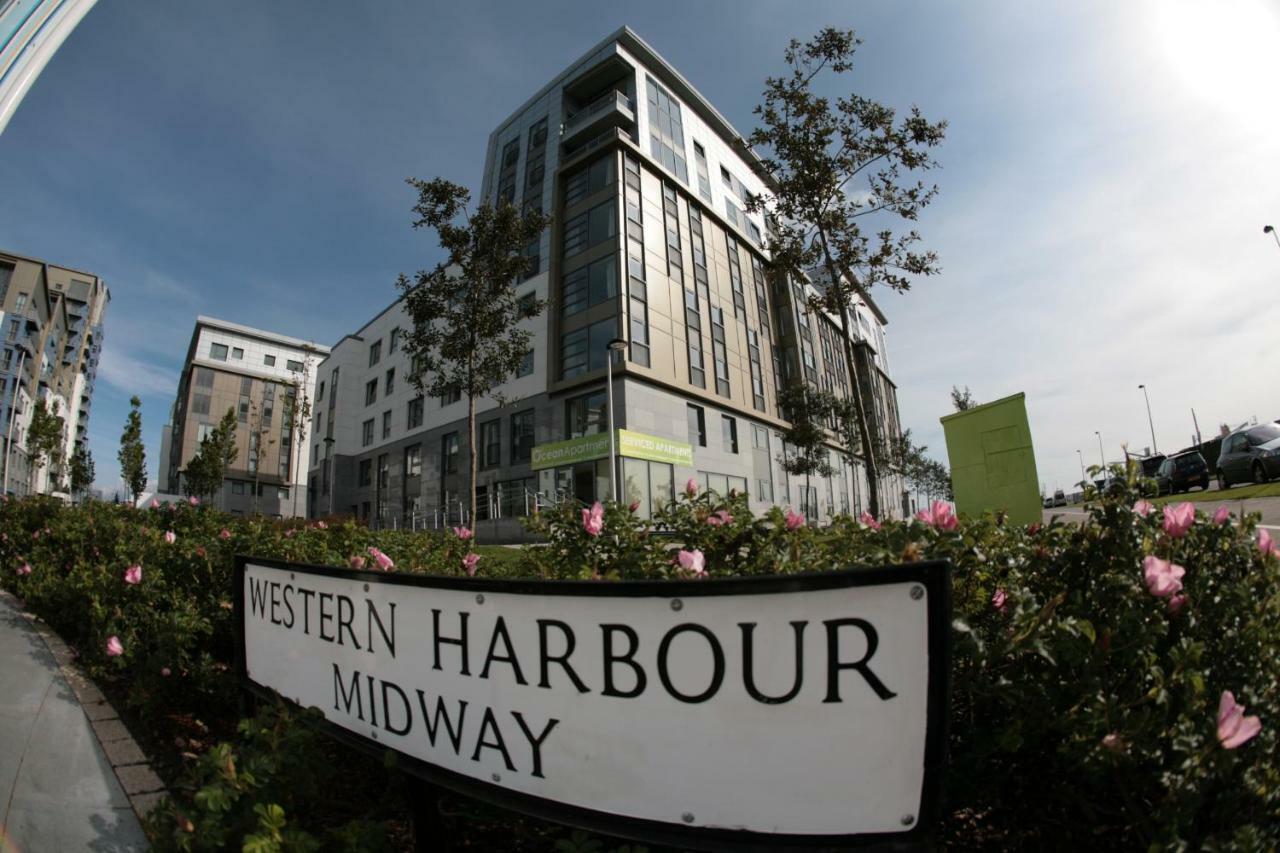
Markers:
1115,685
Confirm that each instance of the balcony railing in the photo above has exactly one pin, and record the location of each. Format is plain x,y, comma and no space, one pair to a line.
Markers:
615,108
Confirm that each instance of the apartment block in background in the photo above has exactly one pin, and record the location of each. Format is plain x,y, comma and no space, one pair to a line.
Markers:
267,381
651,244
50,343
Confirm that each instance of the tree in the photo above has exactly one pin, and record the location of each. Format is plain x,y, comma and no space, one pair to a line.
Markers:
132,456
466,337
962,400
44,441
297,413
82,473
208,468
841,173
808,411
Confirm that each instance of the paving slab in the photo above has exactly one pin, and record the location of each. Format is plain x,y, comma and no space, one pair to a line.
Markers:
57,789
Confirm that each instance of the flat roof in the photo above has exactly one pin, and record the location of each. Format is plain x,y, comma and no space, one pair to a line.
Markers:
227,325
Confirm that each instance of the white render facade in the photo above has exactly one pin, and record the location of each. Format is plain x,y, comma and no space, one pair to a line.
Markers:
262,377
650,244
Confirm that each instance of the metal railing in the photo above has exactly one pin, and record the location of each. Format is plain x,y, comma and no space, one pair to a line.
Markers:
614,99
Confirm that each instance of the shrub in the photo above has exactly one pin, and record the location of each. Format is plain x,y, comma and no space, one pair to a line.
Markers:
1086,682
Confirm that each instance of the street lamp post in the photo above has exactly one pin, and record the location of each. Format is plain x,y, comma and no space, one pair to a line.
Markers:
1267,229
1101,456
615,345
1084,478
1151,423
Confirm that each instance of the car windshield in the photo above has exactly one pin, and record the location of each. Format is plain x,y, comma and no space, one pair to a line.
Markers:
1263,433
1187,461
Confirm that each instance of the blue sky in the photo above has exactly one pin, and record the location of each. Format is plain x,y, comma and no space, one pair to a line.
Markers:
1105,180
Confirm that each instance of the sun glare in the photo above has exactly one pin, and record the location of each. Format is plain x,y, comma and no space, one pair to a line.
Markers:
1225,53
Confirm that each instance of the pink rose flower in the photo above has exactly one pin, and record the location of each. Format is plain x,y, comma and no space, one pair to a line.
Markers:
999,600
24,570
1178,519
691,487
939,516
794,520
869,520
1222,516
720,517
692,563
356,562
155,504
193,500
1266,545
633,506
321,525
463,533
133,575
170,536
201,552
469,563
593,519
35,534
1112,742
225,534
1176,602
384,562
1234,728
115,648
288,534
1144,508
1163,577
165,671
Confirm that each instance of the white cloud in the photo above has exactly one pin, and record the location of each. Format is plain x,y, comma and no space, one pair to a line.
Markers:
135,376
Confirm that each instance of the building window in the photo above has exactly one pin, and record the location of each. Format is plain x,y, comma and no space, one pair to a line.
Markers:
651,485
375,352
366,433
731,211
384,471
590,228
386,424
507,172
393,340
590,179
237,353
586,415
218,352
204,377
269,360
320,393
390,384
449,453
697,426
526,365
200,404
451,396
729,431
757,371
414,418
699,249
590,285
371,392
237,487
586,349
693,337
366,472
704,179
735,278
413,461
521,436
491,444
666,133
296,366
719,352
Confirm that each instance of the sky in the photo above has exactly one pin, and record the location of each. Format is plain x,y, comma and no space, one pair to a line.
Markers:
1106,175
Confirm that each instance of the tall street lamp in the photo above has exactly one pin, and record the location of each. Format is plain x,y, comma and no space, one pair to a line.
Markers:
1150,422
1101,455
1267,229
1084,478
615,345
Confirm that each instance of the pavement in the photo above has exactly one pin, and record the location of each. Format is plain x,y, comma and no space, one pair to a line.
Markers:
1269,508
58,790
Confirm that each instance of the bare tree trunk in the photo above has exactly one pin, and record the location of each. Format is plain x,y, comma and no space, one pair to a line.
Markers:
471,451
860,412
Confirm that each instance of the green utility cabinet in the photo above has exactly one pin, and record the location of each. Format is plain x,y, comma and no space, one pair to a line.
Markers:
993,465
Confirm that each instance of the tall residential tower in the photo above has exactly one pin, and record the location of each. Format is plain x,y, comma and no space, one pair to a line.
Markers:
650,246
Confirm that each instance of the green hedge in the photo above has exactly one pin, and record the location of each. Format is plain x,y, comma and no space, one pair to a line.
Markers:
1084,704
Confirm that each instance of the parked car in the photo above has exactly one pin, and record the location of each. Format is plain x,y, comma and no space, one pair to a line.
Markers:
1180,472
1251,454
1059,499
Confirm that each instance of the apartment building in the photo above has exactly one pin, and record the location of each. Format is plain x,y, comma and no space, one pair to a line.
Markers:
50,343
268,381
651,248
